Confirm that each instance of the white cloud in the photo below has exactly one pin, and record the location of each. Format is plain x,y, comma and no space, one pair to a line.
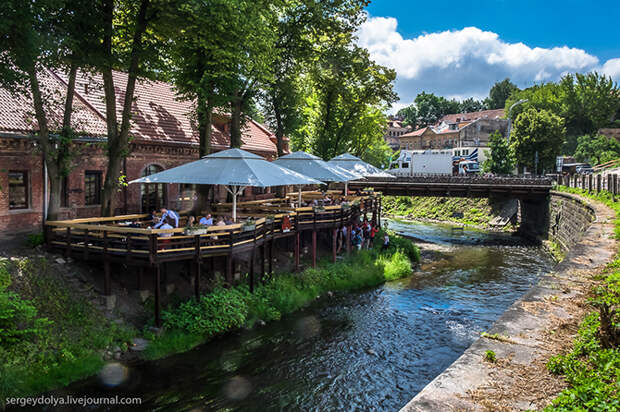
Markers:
466,62
612,68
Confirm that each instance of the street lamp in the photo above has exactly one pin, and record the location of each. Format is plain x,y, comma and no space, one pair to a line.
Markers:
510,118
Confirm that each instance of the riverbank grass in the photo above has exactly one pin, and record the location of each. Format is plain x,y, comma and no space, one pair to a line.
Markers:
592,368
49,336
225,309
476,212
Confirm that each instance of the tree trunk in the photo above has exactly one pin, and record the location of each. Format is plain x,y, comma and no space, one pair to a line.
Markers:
44,139
205,112
235,120
118,143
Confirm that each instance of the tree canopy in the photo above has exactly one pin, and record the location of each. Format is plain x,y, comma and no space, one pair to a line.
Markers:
536,139
500,158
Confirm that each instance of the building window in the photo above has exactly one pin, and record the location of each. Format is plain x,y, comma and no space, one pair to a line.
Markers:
18,189
465,152
92,187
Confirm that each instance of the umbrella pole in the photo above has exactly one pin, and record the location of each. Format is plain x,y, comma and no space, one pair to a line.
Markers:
234,207
299,195
346,188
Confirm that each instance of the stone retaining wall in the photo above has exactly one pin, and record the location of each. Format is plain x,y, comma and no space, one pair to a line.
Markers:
569,218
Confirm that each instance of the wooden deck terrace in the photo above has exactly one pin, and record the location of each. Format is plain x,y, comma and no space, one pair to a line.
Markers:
109,240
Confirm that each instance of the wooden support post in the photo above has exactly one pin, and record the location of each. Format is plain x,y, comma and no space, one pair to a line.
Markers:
229,268
614,184
157,296
598,183
609,183
379,212
348,238
140,278
297,247
85,244
251,277
262,262
314,248
334,244
271,256
107,281
589,183
197,262
575,182
68,246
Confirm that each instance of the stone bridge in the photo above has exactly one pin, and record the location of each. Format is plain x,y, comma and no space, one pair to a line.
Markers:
531,192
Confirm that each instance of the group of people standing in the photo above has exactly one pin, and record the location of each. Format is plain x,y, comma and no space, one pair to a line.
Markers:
362,236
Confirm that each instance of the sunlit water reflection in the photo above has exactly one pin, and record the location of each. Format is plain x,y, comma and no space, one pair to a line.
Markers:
372,350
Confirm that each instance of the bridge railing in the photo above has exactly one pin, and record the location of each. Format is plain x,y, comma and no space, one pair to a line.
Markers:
592,183
465,180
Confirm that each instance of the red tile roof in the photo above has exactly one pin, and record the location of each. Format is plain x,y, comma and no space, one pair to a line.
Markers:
157,114
415,133
489,114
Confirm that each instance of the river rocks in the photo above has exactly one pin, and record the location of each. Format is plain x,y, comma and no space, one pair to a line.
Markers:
60,261
138,344
371,352
330,293
260,322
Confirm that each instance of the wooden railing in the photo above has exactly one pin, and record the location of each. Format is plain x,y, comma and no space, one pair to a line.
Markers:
87,238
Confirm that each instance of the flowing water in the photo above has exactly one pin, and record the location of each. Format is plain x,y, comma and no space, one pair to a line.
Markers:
369,350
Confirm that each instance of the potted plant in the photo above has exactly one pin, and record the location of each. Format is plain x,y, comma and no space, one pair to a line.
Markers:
269,219
248,225
345,205
318,209
195,230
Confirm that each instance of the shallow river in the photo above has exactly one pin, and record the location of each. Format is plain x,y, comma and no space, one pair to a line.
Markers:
370,350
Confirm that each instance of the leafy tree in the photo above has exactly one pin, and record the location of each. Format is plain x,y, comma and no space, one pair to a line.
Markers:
409,115
500,160
499,93
41,35
597,149
347,90
589,102
303,27
130,43
537,132
471,105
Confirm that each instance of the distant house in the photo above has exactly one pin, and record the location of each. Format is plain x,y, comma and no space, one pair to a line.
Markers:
457,130
395,129
163,136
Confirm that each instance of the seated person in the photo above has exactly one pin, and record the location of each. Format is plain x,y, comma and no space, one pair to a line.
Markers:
228,220
206,220
152,217
190,221
220,221
165,224
165,213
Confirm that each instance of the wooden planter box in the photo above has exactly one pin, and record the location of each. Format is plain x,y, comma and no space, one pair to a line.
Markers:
248,228
195,231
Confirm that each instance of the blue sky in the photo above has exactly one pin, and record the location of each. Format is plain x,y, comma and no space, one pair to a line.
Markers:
459,49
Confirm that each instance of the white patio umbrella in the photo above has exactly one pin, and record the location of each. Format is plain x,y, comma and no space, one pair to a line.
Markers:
356,165
314,167
234,168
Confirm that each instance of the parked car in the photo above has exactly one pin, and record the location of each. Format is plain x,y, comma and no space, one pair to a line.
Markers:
584,169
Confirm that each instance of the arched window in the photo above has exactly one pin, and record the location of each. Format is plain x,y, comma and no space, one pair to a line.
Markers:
153,195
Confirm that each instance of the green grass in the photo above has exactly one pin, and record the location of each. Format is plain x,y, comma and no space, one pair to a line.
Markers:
468,211
226,309
70,333
592,368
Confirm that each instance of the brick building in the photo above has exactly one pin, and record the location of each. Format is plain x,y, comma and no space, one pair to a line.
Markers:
394,130
163,136
457,130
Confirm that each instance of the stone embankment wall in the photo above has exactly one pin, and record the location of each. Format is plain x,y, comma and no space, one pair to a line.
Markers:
586,231
569,218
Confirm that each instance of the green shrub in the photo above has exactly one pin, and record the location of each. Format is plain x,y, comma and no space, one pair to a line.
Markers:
490,356
35,239
216,312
